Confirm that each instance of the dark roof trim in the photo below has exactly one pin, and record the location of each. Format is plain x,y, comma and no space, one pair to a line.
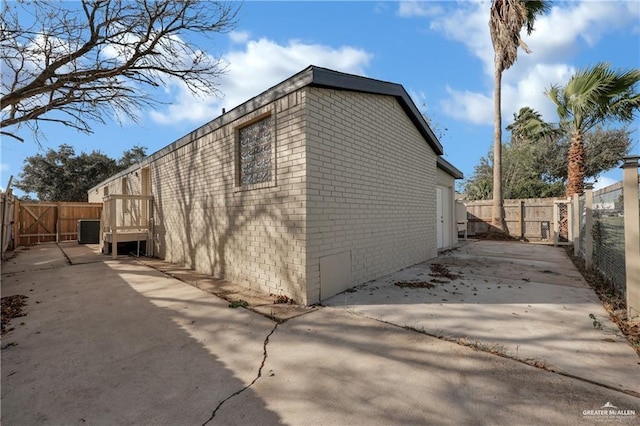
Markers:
449,168
310,76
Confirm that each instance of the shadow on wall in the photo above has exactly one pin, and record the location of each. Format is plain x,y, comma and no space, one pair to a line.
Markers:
480,228
205,223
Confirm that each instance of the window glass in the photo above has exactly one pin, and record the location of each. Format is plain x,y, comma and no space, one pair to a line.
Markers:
255,152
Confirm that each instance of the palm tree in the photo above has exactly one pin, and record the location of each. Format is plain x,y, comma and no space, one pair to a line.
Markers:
529,126
508,17
592,96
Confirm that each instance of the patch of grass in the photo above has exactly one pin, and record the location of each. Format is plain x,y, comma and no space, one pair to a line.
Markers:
238,304
596,322
494,348
613,302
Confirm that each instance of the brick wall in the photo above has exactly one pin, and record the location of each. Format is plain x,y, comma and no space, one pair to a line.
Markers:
204,221
353,175
371,187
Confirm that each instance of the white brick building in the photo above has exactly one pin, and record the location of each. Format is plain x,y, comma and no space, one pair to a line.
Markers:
325,181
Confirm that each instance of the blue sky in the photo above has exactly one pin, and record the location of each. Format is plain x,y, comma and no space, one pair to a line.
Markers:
440,51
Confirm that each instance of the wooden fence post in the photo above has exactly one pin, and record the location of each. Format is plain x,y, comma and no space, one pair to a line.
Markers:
58,227
521,219
575,223
113,225
588,238
16,223
631,234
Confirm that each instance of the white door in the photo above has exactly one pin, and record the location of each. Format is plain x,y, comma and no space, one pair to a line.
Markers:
439,217
443,213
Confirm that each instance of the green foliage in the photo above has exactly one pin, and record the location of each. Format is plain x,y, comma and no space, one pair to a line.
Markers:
238,304
595,321
522,176
64,176
604,149
594,95
132,156
535,163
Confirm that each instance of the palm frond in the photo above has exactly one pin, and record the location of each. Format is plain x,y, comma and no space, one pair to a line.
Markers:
555,93
595,94
535,8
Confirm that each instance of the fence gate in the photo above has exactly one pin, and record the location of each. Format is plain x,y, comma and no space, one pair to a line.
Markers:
562,222
36,223
45,222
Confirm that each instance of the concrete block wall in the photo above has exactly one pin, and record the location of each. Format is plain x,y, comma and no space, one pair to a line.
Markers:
131,180
205,221
255,237
371,182
352,175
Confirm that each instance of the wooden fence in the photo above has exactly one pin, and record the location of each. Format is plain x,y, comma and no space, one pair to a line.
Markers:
533,219
44,222
7,204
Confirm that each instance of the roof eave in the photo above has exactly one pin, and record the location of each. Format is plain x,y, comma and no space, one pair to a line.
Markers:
449,168
310,76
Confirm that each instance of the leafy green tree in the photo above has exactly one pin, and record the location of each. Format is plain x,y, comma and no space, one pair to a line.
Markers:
591,97
64,176
528,125
522,177
132,156
537,168
508,18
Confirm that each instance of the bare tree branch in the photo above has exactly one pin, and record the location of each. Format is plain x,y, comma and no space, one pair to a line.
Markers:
75,64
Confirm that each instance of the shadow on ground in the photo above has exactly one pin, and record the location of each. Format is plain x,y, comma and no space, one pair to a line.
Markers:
522,300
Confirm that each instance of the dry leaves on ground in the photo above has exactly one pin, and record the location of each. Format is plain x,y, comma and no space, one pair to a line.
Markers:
440,270
414,284
12,307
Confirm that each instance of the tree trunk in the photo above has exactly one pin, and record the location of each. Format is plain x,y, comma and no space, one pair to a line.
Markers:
497,210
575,172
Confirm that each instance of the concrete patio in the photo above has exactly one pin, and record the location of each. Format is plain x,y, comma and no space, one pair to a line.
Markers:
522,300
117,342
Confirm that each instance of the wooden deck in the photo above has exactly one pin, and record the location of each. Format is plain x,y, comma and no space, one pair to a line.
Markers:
125,237
126,218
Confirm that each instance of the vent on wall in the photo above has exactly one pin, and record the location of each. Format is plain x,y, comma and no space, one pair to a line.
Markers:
89,231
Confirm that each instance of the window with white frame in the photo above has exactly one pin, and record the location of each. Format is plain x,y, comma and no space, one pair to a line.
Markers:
255,152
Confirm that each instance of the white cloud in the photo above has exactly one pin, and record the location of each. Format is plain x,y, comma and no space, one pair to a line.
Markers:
4,167
259,65
468,106
558,33
556,37
186,106
529,90
408,9
239,36
603,182
477,108
468,24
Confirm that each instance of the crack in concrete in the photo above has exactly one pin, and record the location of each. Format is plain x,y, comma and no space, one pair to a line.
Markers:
530,362
264,359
